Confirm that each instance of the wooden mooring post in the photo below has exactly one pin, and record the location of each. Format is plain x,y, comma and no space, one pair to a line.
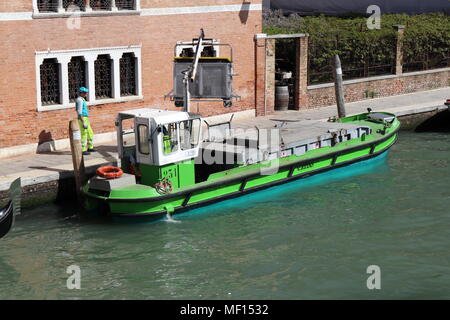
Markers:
77,157
339,86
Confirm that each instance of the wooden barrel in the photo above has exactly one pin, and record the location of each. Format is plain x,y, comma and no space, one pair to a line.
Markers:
281,98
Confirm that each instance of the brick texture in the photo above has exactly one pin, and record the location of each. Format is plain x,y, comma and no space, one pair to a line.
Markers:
379,88
270,75
259,76
301,74
21,123
16,6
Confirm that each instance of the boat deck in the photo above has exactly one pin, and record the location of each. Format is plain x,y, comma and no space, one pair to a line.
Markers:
270,139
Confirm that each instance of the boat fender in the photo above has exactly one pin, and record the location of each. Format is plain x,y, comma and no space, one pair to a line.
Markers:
164,186
109,172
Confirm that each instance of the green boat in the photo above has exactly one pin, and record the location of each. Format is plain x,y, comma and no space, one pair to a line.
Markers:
172,161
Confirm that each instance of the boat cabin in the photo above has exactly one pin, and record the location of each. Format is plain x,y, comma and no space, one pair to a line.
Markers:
155,143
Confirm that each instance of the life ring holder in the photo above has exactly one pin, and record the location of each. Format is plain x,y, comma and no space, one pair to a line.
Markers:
109,172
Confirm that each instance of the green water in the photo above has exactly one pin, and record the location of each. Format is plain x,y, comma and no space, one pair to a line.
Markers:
290,242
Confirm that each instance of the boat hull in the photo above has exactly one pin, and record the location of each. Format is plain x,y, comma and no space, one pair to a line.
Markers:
6,219
154,208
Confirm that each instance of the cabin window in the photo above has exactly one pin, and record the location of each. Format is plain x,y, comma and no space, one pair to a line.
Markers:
189,134
128,134
170,138
143,138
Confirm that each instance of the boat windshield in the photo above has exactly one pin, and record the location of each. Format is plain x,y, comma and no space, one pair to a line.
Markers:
189,134
128,134
170,138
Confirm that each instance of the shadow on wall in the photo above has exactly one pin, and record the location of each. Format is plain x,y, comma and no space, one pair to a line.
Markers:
244,12
46,142
437,123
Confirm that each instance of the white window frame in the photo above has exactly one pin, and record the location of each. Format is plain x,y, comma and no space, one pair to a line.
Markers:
62,13
89,55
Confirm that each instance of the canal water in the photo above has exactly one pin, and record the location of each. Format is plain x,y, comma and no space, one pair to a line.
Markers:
302,240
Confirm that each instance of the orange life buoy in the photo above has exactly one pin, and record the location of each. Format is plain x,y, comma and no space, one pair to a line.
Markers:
109,172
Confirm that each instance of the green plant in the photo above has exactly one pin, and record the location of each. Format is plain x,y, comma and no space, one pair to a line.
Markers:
364,52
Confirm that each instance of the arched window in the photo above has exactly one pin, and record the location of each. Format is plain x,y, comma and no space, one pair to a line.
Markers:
77,76
103,77
128,75
111,75
68,4
47,5
125,4
50,82
100,4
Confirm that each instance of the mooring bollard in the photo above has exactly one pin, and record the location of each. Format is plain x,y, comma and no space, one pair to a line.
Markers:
77,157
339,87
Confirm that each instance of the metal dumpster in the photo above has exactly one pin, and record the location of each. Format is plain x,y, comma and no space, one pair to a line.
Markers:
213,81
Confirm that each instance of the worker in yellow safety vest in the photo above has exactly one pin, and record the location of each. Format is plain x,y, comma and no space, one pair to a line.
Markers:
87,134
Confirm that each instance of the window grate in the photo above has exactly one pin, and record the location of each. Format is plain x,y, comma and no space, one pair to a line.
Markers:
77,76
50,90
103,74
47,5
100,4
128,75
73,4
125,4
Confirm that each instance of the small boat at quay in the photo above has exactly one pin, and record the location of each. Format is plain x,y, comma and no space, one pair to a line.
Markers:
8,213
167,168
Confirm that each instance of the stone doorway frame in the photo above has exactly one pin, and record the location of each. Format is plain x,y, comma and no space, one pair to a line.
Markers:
265,71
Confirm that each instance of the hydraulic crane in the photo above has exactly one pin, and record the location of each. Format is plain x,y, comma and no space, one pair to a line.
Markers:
191,72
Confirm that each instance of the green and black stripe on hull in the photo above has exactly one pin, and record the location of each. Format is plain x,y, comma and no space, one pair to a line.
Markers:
247,181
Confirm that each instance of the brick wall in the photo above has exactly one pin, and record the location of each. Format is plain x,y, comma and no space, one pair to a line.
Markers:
16,6
418,81
21,123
